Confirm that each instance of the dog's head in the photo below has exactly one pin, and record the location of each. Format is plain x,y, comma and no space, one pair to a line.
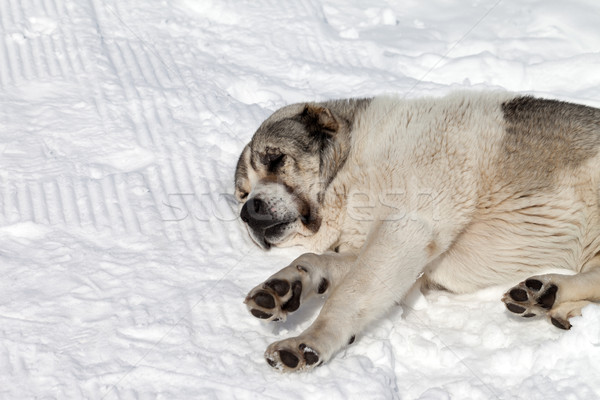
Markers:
283,173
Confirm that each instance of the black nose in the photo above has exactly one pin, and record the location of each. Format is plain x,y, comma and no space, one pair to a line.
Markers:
256,214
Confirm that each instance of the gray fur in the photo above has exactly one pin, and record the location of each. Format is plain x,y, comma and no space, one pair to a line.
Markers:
295,131
546,136
241,174
292,147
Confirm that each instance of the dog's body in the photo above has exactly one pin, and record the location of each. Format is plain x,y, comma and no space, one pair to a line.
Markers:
463,192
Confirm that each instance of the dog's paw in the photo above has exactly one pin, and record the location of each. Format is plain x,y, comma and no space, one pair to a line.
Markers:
533,297
291,355
274,299
283,292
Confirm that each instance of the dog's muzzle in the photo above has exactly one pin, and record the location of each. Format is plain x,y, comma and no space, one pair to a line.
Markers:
266,226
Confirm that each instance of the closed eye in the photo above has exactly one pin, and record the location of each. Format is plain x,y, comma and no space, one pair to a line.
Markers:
241,195
275,162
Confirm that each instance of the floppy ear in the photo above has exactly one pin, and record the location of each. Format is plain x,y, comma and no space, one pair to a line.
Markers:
319,119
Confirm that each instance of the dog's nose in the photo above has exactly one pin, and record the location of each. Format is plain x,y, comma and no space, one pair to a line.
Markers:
256,214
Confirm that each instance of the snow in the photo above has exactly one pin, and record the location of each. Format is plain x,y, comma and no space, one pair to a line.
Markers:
124,266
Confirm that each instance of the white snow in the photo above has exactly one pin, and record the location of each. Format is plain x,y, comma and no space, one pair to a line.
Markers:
123,264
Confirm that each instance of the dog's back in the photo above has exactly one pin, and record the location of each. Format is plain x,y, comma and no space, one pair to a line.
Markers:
525,175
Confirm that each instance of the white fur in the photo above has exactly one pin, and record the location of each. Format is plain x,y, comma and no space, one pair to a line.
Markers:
420,194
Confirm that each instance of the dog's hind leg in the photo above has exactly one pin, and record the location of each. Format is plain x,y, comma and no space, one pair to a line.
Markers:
389,263
559,297
308,275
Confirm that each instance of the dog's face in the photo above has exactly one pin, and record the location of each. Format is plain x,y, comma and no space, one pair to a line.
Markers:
283,172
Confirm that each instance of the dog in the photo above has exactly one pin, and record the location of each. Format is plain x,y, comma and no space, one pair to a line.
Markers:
455,193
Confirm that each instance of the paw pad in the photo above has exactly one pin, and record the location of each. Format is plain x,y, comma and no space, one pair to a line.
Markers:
292,358
530,298
264,300
518,295
547,299
279,286
323,286
533,284
310,356
288,358
274,299
294,303
515,308
560,323
260,314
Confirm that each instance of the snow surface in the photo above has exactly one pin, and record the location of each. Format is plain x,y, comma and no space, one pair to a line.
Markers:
124,266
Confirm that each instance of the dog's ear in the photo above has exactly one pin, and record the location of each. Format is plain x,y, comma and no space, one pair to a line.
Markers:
319,120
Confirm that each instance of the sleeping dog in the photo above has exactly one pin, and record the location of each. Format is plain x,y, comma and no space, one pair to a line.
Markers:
455,193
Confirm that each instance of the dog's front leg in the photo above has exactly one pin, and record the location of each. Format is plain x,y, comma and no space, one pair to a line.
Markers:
389,263
308,275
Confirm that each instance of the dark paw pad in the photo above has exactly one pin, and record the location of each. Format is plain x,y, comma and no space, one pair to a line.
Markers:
288,358
292,304
272,363
323,286
533,284
279,286
294,359
531,298
546,300
560,323
310,356
260,314
518,295
515,308
264,300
